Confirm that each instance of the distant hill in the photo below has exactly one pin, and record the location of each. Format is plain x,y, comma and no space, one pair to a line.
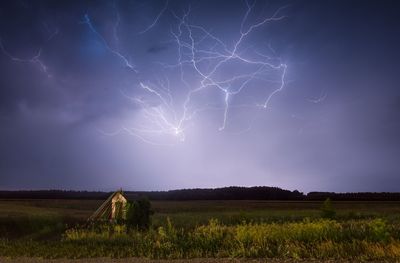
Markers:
225,193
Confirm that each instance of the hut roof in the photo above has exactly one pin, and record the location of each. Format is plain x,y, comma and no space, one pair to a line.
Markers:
110,210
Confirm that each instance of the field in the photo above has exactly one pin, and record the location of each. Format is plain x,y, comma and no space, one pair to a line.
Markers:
205,229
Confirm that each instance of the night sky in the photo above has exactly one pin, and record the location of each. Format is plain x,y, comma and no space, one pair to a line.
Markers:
158,95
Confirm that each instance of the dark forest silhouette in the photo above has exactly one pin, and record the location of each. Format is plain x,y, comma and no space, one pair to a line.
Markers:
225,193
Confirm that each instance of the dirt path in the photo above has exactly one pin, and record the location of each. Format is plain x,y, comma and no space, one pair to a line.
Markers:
131,260
142,260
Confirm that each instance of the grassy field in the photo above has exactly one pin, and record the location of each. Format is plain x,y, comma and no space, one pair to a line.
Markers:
82,209
233,229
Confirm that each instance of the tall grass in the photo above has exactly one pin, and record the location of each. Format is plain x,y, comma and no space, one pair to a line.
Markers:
318,239
35,227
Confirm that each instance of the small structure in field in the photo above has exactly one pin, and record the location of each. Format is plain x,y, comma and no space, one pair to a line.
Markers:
114,208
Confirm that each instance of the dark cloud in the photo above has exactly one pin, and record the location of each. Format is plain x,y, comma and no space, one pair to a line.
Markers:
63,111
157,49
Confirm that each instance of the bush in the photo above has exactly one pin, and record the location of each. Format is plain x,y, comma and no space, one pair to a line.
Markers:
327,211
138,214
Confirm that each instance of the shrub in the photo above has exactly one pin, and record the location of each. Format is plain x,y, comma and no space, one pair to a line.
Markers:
327,211
378,230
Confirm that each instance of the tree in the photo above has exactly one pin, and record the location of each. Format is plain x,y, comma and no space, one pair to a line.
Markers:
139,213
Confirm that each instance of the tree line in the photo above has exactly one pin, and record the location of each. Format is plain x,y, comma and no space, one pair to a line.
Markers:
224,193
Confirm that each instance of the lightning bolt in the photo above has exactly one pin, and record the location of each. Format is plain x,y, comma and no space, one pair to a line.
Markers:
202,63
113,51
156,19
36,59
197,47
323,95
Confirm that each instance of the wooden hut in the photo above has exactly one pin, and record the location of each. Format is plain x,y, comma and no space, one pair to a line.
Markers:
114,208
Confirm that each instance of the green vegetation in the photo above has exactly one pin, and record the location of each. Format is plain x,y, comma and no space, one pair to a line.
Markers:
138,214
239,229
321,239
327,210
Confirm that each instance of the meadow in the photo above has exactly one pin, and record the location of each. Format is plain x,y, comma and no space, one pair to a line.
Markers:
205,229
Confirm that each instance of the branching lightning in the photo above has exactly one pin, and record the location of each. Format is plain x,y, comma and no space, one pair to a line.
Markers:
165,118
203,66
115,52
36,59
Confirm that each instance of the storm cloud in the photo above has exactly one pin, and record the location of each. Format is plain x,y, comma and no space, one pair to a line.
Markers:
72,78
